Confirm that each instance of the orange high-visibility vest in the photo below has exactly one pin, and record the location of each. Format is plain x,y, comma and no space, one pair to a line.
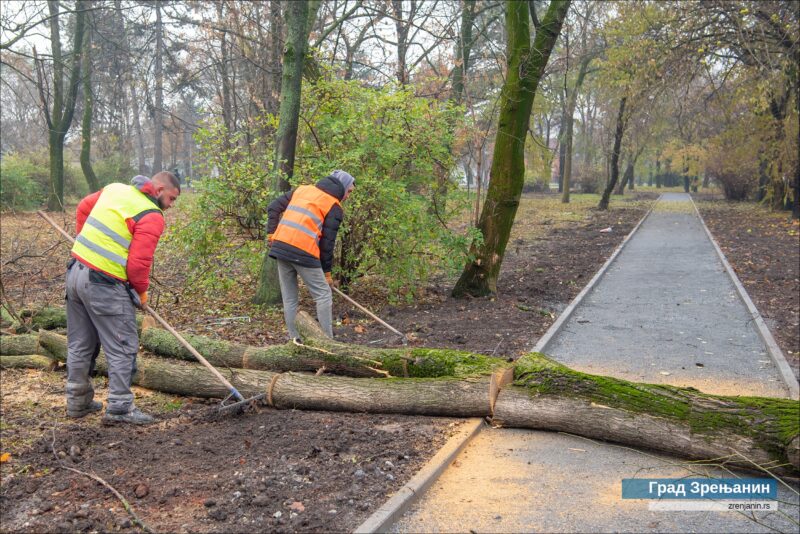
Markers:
301,223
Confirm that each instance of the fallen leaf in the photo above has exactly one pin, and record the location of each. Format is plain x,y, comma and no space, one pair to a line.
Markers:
297,506
359,329
5,457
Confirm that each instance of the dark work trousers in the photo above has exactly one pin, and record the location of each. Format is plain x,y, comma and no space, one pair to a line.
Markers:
99,312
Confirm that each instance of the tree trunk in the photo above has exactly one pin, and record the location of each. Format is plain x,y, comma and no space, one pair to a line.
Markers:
227,113
27,361
158,118
742,431
59,118
626,176
571,102
19,345
88,111
299,19
317,351
612,180
525,68
401,27
746,431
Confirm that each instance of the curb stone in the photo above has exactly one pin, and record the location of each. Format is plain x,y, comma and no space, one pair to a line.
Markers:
401,501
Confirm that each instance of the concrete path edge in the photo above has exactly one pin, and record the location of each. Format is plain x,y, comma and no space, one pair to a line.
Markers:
401,501
548,336
775,352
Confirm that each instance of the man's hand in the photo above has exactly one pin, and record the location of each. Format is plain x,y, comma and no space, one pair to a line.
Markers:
269,240
143,299
329,279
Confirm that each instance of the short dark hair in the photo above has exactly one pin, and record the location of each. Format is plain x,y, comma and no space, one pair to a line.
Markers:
166,176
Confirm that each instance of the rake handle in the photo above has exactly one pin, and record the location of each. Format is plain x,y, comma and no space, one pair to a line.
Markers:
163,323
363,309
194,352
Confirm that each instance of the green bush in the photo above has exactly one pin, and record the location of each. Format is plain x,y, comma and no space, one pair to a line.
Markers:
114,169
22,182
225,220
397,146
25,181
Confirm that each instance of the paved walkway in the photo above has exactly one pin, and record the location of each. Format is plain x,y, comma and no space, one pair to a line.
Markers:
665,312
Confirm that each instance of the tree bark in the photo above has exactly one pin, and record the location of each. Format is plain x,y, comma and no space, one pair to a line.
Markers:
88,111
158,117
299,20
571,102
27,361
19,345
59,115
526,65
612,180
744,431
739,431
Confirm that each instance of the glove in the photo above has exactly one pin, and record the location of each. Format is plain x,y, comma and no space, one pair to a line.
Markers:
143,298
329,279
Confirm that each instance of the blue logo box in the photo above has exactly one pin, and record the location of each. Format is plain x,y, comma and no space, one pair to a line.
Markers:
700,488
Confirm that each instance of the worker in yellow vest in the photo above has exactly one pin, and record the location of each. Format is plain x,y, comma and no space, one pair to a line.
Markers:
301,230
118,229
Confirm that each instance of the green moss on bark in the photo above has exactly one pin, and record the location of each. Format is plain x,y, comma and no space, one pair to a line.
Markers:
771,422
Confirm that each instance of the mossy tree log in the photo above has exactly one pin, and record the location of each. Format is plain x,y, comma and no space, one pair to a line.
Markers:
319,351
742,431
51,318
19,345
27,361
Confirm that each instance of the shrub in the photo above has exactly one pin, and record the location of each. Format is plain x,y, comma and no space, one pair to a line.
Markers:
395,144
114,168
732,163
22,182
588,179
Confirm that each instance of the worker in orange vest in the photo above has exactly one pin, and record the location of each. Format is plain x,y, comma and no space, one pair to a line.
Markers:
301,230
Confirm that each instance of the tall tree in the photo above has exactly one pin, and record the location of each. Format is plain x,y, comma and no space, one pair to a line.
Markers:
88,108
614,175
158,117
299,20
526,65
58,112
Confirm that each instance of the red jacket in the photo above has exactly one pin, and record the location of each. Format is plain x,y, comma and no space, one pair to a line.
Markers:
146,232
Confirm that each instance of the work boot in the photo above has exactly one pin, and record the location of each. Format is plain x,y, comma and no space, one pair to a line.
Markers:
134,417
93,406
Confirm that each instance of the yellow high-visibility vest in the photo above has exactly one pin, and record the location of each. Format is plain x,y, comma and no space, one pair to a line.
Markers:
105,239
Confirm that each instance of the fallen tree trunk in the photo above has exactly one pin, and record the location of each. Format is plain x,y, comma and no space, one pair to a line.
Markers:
741,431
420,396
319,351
27,361
19,345
47,318
744,431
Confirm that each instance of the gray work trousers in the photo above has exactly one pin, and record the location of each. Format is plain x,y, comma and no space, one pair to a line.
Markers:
99,312
314,279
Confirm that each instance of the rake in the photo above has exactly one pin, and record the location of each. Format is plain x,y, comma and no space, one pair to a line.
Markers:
234,402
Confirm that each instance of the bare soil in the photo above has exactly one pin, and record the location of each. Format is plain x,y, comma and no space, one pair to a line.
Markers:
290,470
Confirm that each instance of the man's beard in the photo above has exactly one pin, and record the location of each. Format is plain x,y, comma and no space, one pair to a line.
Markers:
160,202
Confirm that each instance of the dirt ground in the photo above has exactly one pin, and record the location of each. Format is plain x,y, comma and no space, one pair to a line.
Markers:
280,470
